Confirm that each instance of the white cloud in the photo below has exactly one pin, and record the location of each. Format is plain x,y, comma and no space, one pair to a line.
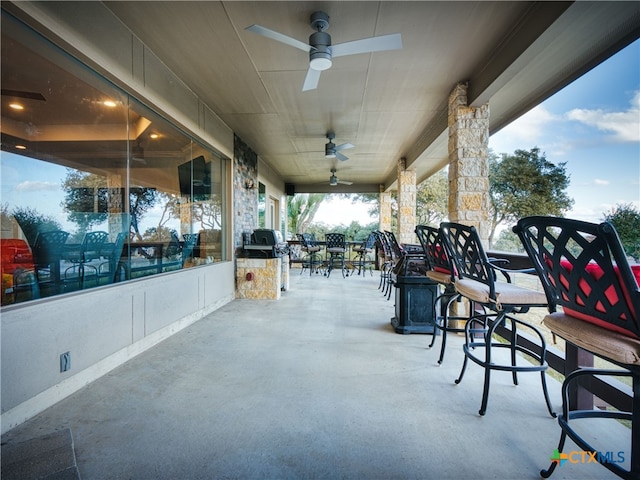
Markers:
31,186
599,182
525,133
625,126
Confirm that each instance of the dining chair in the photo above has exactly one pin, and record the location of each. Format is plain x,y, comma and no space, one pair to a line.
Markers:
594,304
499,302
440,269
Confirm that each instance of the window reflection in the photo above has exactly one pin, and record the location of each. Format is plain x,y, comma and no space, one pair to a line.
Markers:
96,188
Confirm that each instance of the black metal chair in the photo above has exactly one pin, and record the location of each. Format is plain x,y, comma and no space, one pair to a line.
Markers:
363,252
584,270
312,259
336,247
387,263
441,271
476,279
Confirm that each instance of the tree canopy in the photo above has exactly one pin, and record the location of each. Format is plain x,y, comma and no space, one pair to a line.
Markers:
626,219
301,209
524,184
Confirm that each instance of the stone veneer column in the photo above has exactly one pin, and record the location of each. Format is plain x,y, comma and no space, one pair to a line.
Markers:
385,211
468,162
406,203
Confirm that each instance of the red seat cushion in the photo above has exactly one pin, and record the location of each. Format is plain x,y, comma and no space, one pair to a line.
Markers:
596,272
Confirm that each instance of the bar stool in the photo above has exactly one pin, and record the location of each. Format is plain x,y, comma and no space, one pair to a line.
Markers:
362,251
584,269
312,259
336,247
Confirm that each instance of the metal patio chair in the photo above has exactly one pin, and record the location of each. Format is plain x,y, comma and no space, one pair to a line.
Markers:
500,302
584,270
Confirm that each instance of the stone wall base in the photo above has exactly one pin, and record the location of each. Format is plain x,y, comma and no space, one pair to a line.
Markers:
262,278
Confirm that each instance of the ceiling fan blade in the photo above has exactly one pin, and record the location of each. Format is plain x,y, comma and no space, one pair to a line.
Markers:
344,146
279,37
344,182
311,80
22,94
341,157
366,45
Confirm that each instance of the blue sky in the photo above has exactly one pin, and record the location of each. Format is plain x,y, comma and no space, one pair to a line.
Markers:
594,126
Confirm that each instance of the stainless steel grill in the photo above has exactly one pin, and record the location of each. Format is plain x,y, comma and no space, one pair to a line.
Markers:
266,243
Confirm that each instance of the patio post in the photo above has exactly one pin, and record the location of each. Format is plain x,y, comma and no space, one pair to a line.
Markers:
468,162
406,203
385,210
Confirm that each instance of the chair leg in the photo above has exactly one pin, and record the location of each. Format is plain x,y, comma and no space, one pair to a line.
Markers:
554,463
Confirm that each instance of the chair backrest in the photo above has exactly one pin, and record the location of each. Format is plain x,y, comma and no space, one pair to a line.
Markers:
92,244
335,240
434,251
464,248
370,242
383,245
302,240
583,268
396,250
48,247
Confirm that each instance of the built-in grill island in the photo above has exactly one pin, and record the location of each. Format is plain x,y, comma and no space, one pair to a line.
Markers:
263,267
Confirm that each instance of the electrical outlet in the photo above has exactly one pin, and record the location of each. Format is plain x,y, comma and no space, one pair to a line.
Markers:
65,361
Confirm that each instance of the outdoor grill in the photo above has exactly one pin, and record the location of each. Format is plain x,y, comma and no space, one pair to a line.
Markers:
266,243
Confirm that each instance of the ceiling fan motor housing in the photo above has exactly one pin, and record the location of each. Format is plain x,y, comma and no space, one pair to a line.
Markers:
330,149
320,54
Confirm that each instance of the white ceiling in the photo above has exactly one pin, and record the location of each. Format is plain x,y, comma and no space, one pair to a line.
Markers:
388,104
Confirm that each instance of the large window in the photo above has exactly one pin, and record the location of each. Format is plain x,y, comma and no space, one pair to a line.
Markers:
96,188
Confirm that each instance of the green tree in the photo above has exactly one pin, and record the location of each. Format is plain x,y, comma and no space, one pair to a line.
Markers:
432,199
524,184
626,219
301,208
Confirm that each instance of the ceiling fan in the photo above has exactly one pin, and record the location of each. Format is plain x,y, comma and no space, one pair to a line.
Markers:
331,150
333,179
320,49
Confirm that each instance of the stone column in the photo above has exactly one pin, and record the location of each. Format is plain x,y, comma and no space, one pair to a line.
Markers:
468,162
385,210
406,203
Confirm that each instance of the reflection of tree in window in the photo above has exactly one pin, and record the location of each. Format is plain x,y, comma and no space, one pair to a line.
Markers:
87,201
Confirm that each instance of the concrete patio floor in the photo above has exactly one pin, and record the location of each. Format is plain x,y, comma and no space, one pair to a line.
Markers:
314,385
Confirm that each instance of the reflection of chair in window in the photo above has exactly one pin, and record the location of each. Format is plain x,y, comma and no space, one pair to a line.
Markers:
82,257
363,255
188,247
500,302
47,254
335,248
583,269
114,268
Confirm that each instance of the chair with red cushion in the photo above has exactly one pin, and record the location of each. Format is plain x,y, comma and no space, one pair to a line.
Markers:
584,270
